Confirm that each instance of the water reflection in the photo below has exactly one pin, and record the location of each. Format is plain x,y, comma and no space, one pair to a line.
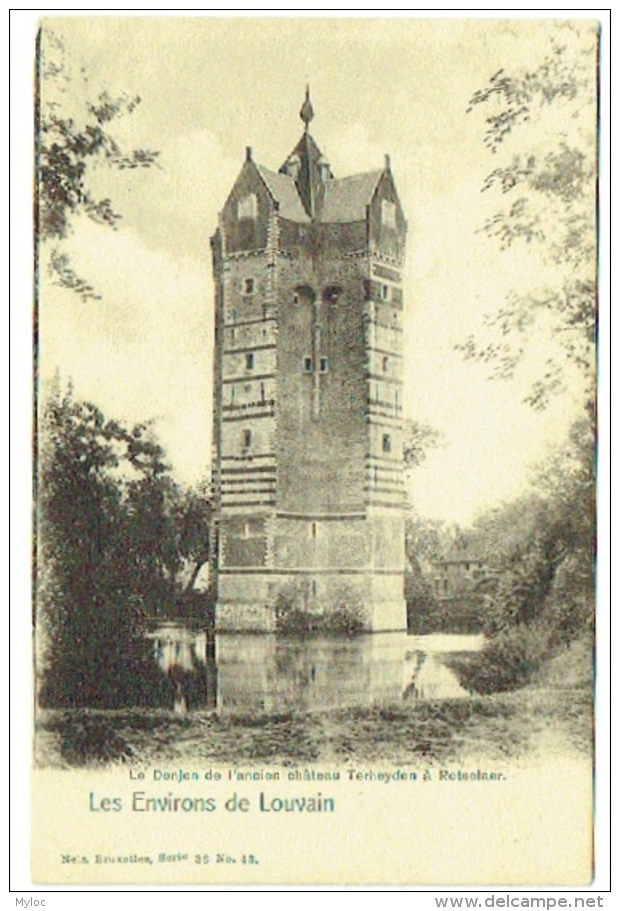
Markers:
239,674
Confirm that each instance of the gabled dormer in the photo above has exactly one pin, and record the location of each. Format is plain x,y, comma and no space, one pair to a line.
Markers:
387,225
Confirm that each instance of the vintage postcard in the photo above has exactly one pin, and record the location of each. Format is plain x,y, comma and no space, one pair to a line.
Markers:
315,451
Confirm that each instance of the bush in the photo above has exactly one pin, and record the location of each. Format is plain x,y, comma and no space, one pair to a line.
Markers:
571,603
342,615
346,615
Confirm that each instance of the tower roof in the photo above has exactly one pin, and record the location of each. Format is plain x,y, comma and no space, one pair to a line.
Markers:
346,200
284,191
310,175
305,188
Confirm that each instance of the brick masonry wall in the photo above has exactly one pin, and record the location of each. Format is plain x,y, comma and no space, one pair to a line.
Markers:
309,455
320,461
310,544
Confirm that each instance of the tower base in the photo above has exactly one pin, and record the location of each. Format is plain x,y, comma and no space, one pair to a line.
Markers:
297,602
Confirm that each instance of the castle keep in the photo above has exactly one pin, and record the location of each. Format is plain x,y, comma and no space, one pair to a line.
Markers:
307,462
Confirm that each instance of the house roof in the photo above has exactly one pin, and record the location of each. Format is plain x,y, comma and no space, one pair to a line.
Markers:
346,200
284,191
461,551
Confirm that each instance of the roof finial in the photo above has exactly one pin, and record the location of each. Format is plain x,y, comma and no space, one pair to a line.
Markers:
307,113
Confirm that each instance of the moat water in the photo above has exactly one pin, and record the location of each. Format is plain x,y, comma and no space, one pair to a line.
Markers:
239,674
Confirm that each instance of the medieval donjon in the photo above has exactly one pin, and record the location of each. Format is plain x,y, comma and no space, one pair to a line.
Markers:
307,462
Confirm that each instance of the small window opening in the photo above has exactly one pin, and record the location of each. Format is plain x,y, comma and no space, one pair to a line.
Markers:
246,207
388,213
249,361
308,365
385,292
324,365
385,363
314,588
262,392
313,530
387,443
247,439
248,286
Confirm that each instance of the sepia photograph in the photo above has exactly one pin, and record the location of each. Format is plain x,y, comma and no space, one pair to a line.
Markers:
315,450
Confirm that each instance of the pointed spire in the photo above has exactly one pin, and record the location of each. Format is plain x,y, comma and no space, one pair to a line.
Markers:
307,113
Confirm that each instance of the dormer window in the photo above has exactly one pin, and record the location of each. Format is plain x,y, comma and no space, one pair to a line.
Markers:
292,166
388,213
247,207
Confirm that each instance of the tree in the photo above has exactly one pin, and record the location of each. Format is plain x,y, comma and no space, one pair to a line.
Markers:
419,438
543,544
83,597
194,524
542,122
69,145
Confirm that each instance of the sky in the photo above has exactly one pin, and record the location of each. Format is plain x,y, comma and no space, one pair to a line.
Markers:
211,87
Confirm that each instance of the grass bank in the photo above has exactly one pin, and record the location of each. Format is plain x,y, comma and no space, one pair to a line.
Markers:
552,714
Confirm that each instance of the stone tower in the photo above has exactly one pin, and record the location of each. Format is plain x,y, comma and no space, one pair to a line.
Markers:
307,461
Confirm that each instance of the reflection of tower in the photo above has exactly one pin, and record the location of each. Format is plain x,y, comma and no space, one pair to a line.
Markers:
187,658
308,391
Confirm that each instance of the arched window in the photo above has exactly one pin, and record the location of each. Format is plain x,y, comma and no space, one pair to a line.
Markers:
304,295
332,293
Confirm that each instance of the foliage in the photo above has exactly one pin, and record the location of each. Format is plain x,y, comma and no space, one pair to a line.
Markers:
542,122
194,521
544,544
345,615
342,614
70,145
419,438
543,549
108,552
